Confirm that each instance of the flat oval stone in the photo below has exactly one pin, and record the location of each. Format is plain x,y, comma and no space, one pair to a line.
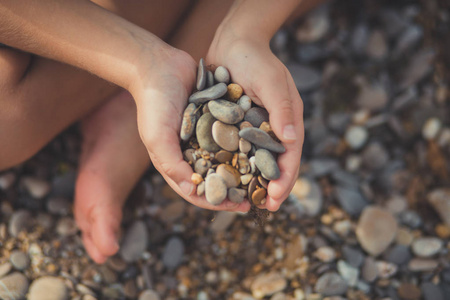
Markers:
215,189
223,156
252,187
259,196
209,79
204,133
230,175
244,146
222,75
202,166
226,111
245,103
188,123
267,164
201,75
261,139
19,259
189,156
13,286
47,287
245,124
245,179
256,115
226,136
237,195
211,93
201,189
134,242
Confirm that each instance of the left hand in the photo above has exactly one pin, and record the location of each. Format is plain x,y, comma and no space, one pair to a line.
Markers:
268,83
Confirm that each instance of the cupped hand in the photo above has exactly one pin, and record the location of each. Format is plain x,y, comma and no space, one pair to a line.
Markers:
161,93
268,83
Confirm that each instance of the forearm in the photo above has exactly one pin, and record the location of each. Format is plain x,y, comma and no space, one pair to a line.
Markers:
258,18
79,33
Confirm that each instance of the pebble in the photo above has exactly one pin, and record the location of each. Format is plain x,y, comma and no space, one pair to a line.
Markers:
376,230
149,295
369,269
135,242
261,139
356,136
256,116
202,166
245,179
37,188
7,180
409,291
418,66
268,284
305,78
308,194
259,196
226,136
245,103
19,260
315,26
349,273
422,264
426,246
201,189
243,163
204,133
223,156
201,75
351,200
226,111
223,220
215,189
386,269
376,45
431,291
325,254
173,253
237,195
66,226
431,128
221,74
48,288
398,255
20,220
5,268
14,286
372,98
354,257
440,201
209,79
234,92
410,37
244,146
59,206
267,164
331,284
189,121
196,178
375,156
211,93
230,175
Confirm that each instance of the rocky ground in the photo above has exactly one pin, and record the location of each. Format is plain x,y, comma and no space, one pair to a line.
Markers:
369,217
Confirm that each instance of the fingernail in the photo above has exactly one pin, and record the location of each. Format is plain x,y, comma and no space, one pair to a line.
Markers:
187,188
289,132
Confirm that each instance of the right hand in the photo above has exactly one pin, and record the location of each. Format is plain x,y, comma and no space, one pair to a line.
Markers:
161,93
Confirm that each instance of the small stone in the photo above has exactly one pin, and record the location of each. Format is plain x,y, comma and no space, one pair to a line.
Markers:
376,46
20,220
223,220
14,286
149,295
59,206
431,291
349,273
196,178
244,146
376,230
410,218
369,270
223,156
134,242
66,227
442,231
5,268
308,194
211,93
426,246
201,166
201,75
325,254
215,189
173,211
20,260
259,196
305,78
189,156
256,115
409,291
375,156
419,65
230,175
268,284
331,284
386,269
354,257
398,255
209,79
48,288
422,265
237,195
265,126
226,136
173,253
234,92
431,128
245,124
351,200
245,179
261,139
37,188
222,75
243,163
226,111
315,26
204,133
356,136
201,189
440,201
372,98
267,164
7,180
252,187
189,121
245,103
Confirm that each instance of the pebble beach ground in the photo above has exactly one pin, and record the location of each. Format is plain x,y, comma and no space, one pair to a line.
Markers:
368,218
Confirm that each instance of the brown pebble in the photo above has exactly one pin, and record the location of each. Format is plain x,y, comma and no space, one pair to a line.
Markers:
223,156
234,92
263,182
265,126
229,174
205,109
259,196
201,189
408,291
196,178
245,124
252,187
189,156
243,163
234,161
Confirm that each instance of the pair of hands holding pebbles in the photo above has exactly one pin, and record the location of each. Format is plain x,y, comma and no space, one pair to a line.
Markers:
162,98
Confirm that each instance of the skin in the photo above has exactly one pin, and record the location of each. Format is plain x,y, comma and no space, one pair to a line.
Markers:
157,76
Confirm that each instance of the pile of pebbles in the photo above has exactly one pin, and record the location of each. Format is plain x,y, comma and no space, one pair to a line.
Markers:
228,141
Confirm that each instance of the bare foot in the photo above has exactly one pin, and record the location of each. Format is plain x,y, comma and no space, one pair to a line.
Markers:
112,161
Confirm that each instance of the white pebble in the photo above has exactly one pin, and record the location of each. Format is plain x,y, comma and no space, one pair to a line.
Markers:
356,136
431,128
245,103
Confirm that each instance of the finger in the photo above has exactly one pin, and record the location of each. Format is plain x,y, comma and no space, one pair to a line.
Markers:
105,229
272,90
92,250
